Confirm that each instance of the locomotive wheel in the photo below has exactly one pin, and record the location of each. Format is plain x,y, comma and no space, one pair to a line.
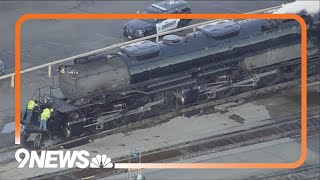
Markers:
137,117
141,102
313,70
145,99
115,123
66,132
120,122
226,93
272,79
248,88
167,105
296,74
124,120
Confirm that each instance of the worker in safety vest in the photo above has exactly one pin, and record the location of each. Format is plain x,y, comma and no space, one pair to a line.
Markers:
31,105
45,115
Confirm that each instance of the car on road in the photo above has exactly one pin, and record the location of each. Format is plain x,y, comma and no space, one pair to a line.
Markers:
139,28
2,68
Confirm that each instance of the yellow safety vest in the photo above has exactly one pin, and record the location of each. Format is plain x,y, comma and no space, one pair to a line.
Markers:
31,105
45,115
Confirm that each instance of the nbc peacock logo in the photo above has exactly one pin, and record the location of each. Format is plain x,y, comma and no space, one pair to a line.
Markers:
101,161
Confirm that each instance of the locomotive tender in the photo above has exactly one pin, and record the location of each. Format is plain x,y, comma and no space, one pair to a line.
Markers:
215,61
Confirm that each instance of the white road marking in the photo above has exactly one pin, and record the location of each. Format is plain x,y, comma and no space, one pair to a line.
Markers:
101,35
54,43
23,54
8,52
230,9
234,10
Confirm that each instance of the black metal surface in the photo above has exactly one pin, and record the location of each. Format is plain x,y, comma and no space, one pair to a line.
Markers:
221,30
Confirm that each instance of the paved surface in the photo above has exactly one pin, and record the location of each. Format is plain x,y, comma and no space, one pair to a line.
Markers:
227,118
45,41
284,150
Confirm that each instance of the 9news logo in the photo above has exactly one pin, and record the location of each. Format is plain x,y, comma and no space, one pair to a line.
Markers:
61,159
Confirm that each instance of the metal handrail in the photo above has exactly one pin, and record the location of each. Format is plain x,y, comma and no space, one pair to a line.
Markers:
117,45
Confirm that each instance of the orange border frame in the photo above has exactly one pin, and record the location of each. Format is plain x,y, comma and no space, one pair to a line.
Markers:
179,16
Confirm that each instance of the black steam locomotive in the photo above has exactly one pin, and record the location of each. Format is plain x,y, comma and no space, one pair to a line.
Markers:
141,79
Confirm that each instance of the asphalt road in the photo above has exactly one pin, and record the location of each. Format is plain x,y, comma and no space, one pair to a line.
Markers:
48,40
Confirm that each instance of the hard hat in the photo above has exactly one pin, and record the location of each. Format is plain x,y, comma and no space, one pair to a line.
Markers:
51,110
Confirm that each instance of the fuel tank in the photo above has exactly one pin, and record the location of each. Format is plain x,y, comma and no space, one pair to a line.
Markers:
93,76
217,43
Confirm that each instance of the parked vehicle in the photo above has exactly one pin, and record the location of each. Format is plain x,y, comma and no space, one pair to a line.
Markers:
139,28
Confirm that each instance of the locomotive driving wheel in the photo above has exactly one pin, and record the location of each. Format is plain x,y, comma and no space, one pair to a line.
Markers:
168,102
313,69
250,87
272,79
145,99
120,121
226,93
140,115
296,74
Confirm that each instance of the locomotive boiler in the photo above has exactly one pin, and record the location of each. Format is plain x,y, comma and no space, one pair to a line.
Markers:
217,60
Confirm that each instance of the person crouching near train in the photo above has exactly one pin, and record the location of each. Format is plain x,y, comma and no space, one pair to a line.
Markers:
30,107
45,115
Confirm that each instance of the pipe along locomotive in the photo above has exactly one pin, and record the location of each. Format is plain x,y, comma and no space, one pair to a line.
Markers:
146,78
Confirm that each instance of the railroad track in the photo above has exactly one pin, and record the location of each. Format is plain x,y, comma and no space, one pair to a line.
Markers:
10,148
305,173
280,128
7,154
